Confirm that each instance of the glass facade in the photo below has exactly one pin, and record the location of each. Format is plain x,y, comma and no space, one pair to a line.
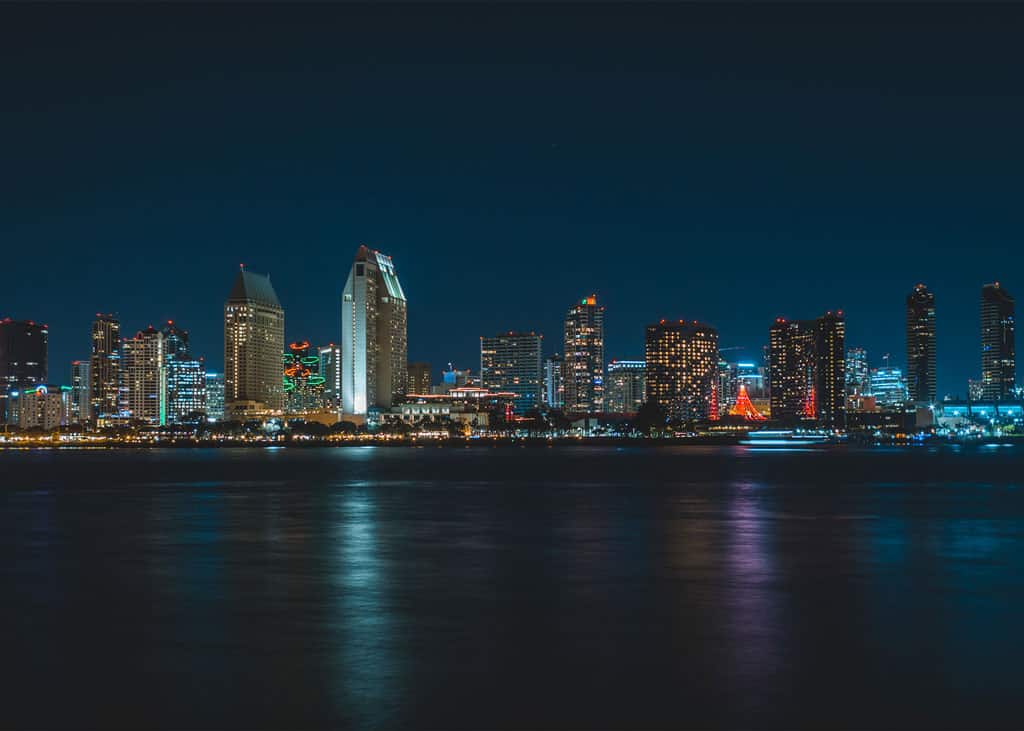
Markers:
511,363
998,351
625,386
888,386
105,368
921,379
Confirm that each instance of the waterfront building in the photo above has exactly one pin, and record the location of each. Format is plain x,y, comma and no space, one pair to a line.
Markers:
330,369
374,338
303,383
808,370
511,362
889,386
998,358
420,378
23,362
253,344
80,406
185,376
682,368
858,373
554,382
584,357
625,386
105,368
921,369
214,396
144,377
44,406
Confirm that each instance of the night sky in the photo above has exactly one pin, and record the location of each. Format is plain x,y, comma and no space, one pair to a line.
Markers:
723,163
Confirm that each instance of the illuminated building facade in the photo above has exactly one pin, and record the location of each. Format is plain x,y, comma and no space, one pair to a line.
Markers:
44,407
888,386
625,386
330,369
23,362
374,338
808,370
80,406
510,362
921,380
998,357
186,377
554,383
420,380
304,387
214,396
253,344
145,377
584,357
105,368
682,368
858,374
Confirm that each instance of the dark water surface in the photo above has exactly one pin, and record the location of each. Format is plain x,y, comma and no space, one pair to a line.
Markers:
514,587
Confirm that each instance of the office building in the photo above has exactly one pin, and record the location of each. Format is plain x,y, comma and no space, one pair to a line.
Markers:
80,390
682,368
253,344
858,374
105,368
998,358
304,386
420,380
625,386
889,386
921,380
330,369
23,353
374,339
554,382
144,377
185,376
511,363
44,406
214,396
808,370
583,372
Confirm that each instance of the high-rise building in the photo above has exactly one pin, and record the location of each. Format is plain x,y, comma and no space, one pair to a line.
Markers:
858,374
889,386
682,368
214,396
44,407
554,382
921,344
23,353
186,377
80,390
998,358
144,376
105,368
304,386
808,370
374,339
253,344
330,369
511,362
584,356
420,379
625,386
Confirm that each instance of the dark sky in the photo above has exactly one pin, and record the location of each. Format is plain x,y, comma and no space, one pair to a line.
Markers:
725,163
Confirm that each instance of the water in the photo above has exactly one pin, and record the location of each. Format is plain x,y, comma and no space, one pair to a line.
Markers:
512,587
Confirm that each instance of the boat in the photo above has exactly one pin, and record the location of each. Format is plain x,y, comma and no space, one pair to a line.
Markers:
786,438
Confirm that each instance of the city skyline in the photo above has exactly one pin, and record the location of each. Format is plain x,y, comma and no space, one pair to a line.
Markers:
806,173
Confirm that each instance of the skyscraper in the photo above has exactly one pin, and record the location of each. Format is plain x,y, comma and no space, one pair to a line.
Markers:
144,376
214,396
921,344
625,386
511,362
330,369
998,358
554,382
105,367
858,374
374,339
186,376
808,370
304,386
253,344
584,356
682,368
420,380
80,390
23,362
